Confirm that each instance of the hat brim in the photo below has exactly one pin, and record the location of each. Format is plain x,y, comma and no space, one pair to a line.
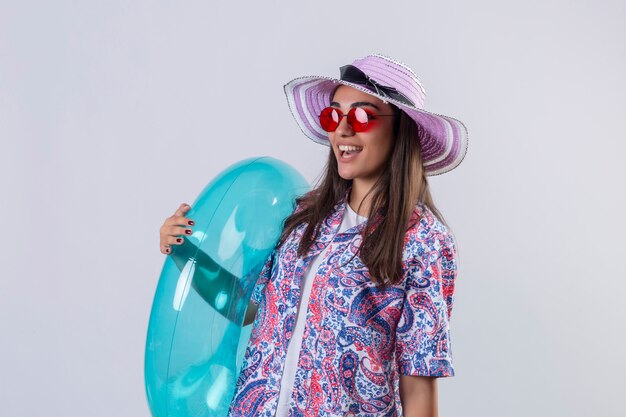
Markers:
443,139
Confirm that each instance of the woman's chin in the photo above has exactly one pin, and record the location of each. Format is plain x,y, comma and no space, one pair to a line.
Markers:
346,174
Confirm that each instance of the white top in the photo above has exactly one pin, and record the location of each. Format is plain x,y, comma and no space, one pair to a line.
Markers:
350,219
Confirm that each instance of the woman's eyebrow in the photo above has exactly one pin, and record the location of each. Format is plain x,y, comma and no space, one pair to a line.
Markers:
357,104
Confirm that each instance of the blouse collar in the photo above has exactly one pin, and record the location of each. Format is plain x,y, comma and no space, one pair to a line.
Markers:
332,222
336,217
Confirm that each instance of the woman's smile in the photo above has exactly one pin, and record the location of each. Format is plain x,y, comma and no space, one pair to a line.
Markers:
347,153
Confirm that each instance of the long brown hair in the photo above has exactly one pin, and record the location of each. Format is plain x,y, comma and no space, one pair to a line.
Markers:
401,185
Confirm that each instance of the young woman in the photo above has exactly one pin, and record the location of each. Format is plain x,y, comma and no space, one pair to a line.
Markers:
355,300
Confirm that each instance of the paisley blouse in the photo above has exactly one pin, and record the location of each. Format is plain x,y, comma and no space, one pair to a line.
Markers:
358,338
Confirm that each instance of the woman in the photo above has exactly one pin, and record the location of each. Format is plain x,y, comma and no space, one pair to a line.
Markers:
356,296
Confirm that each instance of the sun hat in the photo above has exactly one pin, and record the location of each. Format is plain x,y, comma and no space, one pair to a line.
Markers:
443,139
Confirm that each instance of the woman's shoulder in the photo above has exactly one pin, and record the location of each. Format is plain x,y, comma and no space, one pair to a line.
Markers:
301,200
427,233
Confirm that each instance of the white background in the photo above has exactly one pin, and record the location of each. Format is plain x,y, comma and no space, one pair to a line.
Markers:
113,113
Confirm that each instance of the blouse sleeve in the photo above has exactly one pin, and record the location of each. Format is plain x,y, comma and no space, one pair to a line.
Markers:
423,332
266,271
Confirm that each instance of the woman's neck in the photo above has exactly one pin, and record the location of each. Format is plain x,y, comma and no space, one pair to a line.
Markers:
360,187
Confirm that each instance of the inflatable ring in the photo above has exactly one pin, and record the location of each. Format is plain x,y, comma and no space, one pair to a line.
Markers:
196,341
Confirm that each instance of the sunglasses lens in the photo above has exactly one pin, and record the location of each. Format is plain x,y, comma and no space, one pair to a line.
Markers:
357,117
329,119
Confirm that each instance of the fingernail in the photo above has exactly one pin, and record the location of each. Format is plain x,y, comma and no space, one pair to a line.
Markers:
179,240
188,232
191,223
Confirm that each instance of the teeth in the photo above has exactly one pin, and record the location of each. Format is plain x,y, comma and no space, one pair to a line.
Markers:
350,148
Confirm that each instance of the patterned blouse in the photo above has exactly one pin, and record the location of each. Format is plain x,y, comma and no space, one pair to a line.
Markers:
357,338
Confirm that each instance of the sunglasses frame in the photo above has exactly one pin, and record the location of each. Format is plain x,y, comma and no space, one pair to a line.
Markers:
351,115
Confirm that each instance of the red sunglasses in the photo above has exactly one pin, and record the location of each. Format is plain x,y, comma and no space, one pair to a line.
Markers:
358,118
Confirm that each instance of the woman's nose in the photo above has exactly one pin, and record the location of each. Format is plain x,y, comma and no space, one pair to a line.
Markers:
344,128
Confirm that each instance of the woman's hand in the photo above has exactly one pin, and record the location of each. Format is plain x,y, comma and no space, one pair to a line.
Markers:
173,228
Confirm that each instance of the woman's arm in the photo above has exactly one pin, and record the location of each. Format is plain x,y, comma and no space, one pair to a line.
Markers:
418,395
250,313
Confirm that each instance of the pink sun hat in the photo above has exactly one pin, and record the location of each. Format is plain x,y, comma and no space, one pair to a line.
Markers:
443,139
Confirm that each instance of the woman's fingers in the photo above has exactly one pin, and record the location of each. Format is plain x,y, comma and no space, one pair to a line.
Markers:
178,218
172,229
173,240
182,209
177,231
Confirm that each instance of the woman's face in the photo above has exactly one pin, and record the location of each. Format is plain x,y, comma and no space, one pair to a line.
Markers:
373,145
